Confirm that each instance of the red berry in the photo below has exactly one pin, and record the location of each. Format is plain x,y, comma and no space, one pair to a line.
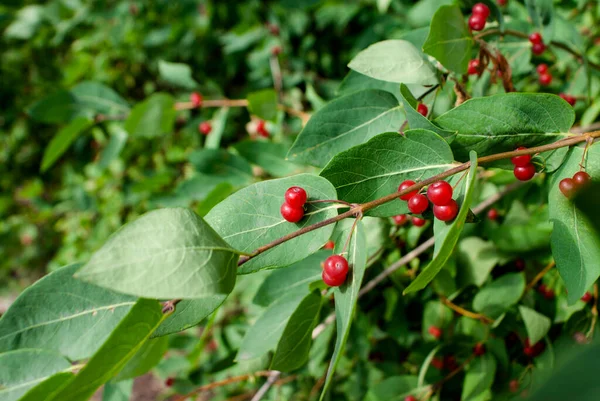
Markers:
536,37
440,193
524,173
273,28
446,212
196,99
492,214
545,79
473,67
329,245
520,264
410,398
205,127
400,219
295,196
418,204
581,179
336,266
403,186
513,386
587,297
435,331
290,213
169,382
476,22
332,282
521,161
568,98
261,129
422,109
549,294
481,9
542,68
450,362
418,222
437,363
538,48
479,349
502,2
529,351
542,290
568,187
276,50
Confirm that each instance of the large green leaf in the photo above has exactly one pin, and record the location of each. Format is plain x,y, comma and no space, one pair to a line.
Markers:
479,378
270,156
147,357
394,61
537,325
23,369
499,295
56,313
263,104
177,74
575,244
189,313
152,117
449,39
117,391
223,164
63,139
528,119
166,253
44,390
346,297
258,221
346,122
447,234
119,348
376,168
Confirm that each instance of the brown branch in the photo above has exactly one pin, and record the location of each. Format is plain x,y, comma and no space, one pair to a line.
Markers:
464,312
539,276
234,379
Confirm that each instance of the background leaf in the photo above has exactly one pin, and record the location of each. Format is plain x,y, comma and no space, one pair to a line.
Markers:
147,357
263,104
537,325
269,156
117,391
100,99
152,117
177,74
479,378
416,119
499,295
63,139
223,164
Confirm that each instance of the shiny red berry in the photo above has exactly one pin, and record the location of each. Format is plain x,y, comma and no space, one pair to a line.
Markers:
332,282
581,179
538,48
418,204
440,193
535,37
568,187
446,212
545,79
336,266
205,127
481,9
196,99
587,297
400,219
476,22
435,331
329,245
418,222
492,214
403,186
524,173
542,68
169,382
473,67
295,196
522,160
422,109
479,349
261,129
290,213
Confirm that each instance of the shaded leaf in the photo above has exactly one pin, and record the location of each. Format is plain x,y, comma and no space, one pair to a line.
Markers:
117,391
152,117
100,99
499,295
416,119
479,378
63,139
393,388
477,259
537,325
189,313
270,156
177,74
59,107
223,164
263,104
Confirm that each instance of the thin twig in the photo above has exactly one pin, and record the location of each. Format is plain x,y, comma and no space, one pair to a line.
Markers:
464,312
273,377
539,276
229,380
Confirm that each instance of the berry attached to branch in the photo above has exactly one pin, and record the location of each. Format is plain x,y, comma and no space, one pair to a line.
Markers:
196,99
481,9
403,186
418,204
329,245
261,129
422,109
418,222
524,173
446,212
400,219
295,196
473,67
435,332
205,127
440,193
567,187
291,214
545,79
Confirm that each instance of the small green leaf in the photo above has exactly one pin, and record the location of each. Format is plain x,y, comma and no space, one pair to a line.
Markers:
479,378
346,122
223,164
177,74
447,234
416,119
394,61
26,23
270,156
63,139
263,104
219,121
117,391
499,295
166,253
537,325
189,313
116,143
152,117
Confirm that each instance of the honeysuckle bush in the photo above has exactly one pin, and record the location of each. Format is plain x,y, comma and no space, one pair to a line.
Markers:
208,287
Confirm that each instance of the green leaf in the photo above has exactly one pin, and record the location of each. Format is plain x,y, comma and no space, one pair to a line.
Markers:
147,357
63,139
258,221
23,369
479,378
26,23
394,388
295,278
152,117
416,119
44,390
435,314
448,233
60,107
117,391
223,164
346,297
575,244
116,143
166,253
394,61
537,325
294,345
376,168
450,40
56,313
477,259
269,156
499,295
176,74
263,104
219,121
346,122
541,13
99,98
529,119
355,82
189,313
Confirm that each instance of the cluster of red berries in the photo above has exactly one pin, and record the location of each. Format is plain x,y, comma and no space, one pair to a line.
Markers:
568,98
537,43
533,350
479,15
292,208
261,129
402,219
546,292
335,270
544,75
422,109
524,169
439,193
473,67
570,186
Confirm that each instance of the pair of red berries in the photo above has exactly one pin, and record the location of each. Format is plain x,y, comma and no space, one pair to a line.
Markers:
546,292
568,98
479,16
261,128
544,75
533,350
205,127
439,193
196,99
402,219
524,169
292,208
570,186
335,270
537,43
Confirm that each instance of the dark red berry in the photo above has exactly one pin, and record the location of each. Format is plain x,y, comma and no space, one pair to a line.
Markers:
542,68
473,67
400,219
545,79
568,187
410,398
549,294
502,2
276,50
295,196
405,185
568,98
205,127
522,160
196,99
332,282
538,48
520,264
524,173
440,193
418,204
169,382
476,22
422,109
437,363
542,290
481,9
581,179
492,214
435,331
273,29
587,297
446,212
479,349
329,245
261,129
290,213
536,37
418,222
513,386
529,351
336,266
